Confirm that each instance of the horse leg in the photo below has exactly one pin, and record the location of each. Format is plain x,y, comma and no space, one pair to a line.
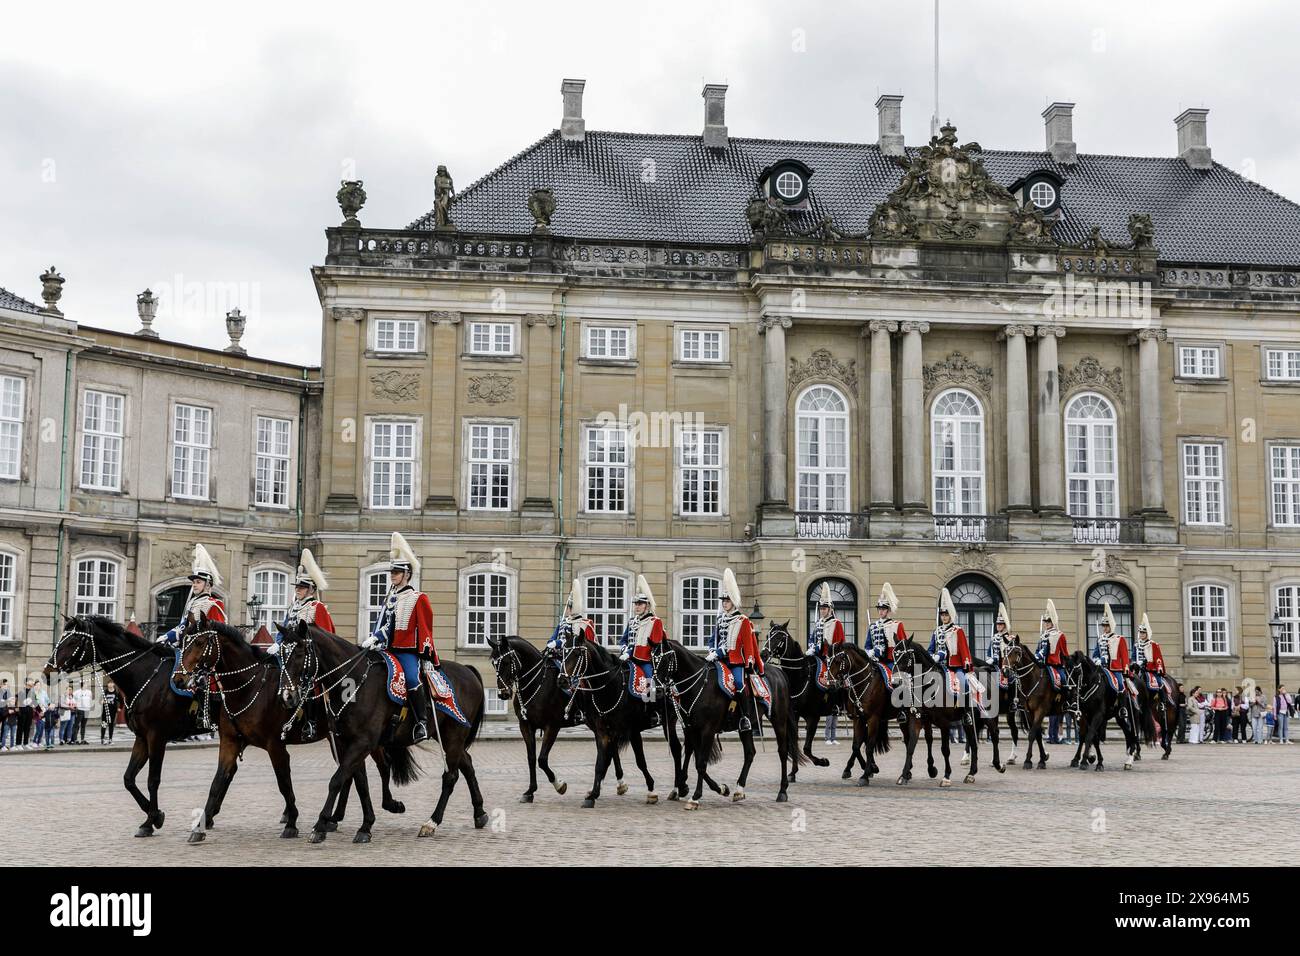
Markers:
475,794
812,722
621,787
279,755
929,749
680,762
544,761
363,796
972,741
227,765
701,774
385,782
530,748
449,778
854,751
747,745
994,733
157,750
604,745
351,755
945,748
638,751
910,734
139,756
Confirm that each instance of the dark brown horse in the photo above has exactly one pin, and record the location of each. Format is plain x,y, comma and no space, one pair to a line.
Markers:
926,702
254,708
807,697
1033,695
1095,703
352,686
1159,712
868,703
155,713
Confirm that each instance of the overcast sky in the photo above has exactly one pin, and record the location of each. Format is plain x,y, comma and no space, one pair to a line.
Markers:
199,154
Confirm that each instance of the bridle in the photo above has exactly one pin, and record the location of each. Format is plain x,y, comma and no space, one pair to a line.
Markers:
850,679
97,666
778,658
675,690
519,680
580,680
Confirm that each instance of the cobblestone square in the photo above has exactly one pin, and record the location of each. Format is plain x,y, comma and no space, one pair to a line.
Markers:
1209,804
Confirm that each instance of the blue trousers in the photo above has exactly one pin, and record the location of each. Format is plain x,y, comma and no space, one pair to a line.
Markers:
410,662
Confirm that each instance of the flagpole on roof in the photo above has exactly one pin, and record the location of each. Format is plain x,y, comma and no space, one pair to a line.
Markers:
934,119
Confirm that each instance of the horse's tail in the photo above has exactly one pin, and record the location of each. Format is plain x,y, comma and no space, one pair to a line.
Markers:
402,766
715,750
792,740
478,718
1149,721
881,744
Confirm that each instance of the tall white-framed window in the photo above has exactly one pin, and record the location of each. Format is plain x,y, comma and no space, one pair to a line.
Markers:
822,449
1203,483
101,440
13,395
1282,365
701,471
1199,361
490,447
270,586
607,455
374,591
487,604
606,594
96,583
1092,470
1286,604
957,430
491,338
697,607
607,342
393,450
1207,615
8,595
271,466
701,345
397,335
1284,484
191,450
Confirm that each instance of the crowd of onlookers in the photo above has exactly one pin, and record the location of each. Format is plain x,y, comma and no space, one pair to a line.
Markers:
1237,716
37,717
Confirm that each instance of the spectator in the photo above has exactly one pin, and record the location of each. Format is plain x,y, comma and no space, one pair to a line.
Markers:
831,720
1240,714
1196,705
1222,708
50,709
108,713
25,716
1071,731
1180,721
1258,708
85,702
1284,705
8,716
67,717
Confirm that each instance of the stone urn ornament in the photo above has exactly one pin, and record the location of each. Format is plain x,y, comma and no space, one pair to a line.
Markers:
52,290
541,206
146,306
351,197
235,323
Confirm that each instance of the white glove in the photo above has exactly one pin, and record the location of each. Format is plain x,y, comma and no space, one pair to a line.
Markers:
811,651
274,648
161,640
713,656
370,643
624,655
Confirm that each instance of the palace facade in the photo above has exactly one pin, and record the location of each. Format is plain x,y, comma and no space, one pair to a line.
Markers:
1021,375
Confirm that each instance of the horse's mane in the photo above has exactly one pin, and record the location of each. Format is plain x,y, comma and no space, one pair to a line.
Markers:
235,634
134,641
921,653
516,643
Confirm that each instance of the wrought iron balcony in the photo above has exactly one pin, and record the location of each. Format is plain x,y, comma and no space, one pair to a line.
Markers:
1108,530
966,529
830,525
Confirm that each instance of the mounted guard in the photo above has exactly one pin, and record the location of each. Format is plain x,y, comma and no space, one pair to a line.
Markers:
1111,651
948,642
735,648
645,629
1150,661
204,580
1053,649
825,634
884,631
405,628
308,583
573,622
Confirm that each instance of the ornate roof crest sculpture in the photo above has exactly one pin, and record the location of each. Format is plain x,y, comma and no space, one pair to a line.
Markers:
541,206
1142,231
351,197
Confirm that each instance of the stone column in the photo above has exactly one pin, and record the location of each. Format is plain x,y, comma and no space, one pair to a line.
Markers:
1051,467
881,465
1019,492
772,328
538,506
913,399
1153,453
440,426
343,438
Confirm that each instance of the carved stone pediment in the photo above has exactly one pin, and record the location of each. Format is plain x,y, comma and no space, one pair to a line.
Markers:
491,389
1088,372
957,369
833,561
175,563
823,364
394,386
972,557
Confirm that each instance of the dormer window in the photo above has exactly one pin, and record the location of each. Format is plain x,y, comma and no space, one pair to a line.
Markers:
786,182
1042,194
1041,189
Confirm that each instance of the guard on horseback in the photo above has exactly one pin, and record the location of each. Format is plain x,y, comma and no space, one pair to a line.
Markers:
405,627
204,580
825,634
735,648
307,606
1052,648
1150,661
884,631
948,644
1111,651
645,628
1002,637
573,622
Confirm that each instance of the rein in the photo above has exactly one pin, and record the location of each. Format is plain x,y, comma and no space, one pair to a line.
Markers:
98,667
584,680
521,680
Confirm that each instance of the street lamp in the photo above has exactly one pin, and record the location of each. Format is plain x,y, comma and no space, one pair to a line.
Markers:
756,614
254,605
1278,627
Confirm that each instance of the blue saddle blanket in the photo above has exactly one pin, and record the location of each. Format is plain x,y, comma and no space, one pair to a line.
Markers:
1058,676
444,695
171,678
1115,679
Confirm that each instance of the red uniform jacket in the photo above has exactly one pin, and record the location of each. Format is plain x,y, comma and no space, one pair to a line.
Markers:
1057,655
641,651
1119,661
960,659
585,628
215,611
417,635
1155,660
317,613
746,648
836,635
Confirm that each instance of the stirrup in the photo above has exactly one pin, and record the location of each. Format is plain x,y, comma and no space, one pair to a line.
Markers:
744,726
419,731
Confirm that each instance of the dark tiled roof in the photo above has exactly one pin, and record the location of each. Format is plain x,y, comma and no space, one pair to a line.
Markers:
645,187
16,303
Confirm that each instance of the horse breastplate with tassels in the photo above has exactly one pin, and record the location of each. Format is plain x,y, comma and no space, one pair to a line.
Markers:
305,612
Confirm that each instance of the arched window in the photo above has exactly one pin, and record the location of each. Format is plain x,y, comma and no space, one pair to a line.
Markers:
168,605
844,598
976,599
1091,457
957,430
822,441
270,587
1121,605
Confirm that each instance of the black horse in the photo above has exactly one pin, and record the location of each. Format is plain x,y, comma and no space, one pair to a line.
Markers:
868,701
705,711
1158,710
353,686
932,704
1034,697
254,708
599,684
807,697
531,681
1095,702
155,713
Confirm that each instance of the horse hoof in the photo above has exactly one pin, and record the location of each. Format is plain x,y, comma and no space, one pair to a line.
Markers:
1074,763
933,772
1029,765
144,831
1137,756
361,836
331,826
726,791
902,781
1002,768
691,805
210,823
652,798
737,795
562,788
427,830
864,781
588,803
1164,756
289,833
158,819
965,760
317,836
782,797
621,788
821,762
1099,768
526,798
395,806
847,775
197,836
672,795
480,820
969,778
945,783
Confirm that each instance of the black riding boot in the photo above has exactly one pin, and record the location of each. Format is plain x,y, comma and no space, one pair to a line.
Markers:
419,703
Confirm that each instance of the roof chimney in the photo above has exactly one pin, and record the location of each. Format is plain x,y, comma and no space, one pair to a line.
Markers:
889,123
1059,119
1192,145
715,129
573,127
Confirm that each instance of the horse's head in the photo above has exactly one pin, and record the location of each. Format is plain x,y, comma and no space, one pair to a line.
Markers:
779,641
296,651
505,662
199,657
576,659
75,648
1015,656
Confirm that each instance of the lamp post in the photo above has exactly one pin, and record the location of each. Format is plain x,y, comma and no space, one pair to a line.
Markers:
254,605
1278,627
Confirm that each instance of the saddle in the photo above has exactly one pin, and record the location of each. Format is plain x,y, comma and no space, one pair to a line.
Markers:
1057,676
823,673
757,684
435,681
962,687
